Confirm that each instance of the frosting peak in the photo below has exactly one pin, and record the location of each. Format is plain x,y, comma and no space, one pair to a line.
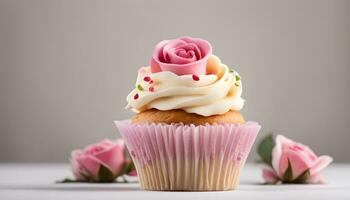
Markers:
204,95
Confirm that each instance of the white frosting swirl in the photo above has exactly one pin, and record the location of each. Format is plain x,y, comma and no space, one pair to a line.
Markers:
210,95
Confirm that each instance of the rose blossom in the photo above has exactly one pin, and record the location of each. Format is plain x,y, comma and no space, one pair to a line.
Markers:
294,162
101,162
181,56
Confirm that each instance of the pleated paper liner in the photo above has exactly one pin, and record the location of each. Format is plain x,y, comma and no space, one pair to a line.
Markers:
188,157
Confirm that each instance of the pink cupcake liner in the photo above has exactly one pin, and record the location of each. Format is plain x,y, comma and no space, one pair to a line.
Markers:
188,157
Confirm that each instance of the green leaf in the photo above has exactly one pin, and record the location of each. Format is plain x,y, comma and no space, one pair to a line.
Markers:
139,87
288,175
265,149
238,78
129,167
231,70
105,175
68,180
130,164
303,177
87,178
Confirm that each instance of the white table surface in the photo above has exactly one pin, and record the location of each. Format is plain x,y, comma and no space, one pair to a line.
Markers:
37,181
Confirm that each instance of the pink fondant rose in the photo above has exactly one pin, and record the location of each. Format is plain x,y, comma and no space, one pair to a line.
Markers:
181,56
101,162
293,162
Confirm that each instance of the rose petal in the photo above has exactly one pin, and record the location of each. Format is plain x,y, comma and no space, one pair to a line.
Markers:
158,53
190,68
155,67
113,159
201,44
299,162
183,54
90,164
98,147
310,153
168,47
316,179
289,144
321,163
162,57
269,176
276,155
76,167
154,61
177,59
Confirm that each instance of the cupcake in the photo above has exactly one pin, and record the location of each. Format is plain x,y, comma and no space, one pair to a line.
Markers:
187,133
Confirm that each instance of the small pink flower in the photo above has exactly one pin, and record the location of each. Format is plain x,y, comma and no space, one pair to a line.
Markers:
101,162
293,162
181,56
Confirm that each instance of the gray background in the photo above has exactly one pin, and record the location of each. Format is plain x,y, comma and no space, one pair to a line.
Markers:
67,66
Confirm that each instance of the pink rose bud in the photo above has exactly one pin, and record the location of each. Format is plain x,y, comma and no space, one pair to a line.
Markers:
101,162
293,162
181,56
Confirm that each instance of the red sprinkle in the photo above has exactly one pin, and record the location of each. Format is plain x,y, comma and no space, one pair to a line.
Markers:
147,78
151,82
195,77
136,96
151,89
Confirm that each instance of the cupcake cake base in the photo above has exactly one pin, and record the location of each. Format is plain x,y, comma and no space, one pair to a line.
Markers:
179,157
180,116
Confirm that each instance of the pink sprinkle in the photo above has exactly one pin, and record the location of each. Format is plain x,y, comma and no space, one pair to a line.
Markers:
136,96
195,77
151,82
147,78
151,89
